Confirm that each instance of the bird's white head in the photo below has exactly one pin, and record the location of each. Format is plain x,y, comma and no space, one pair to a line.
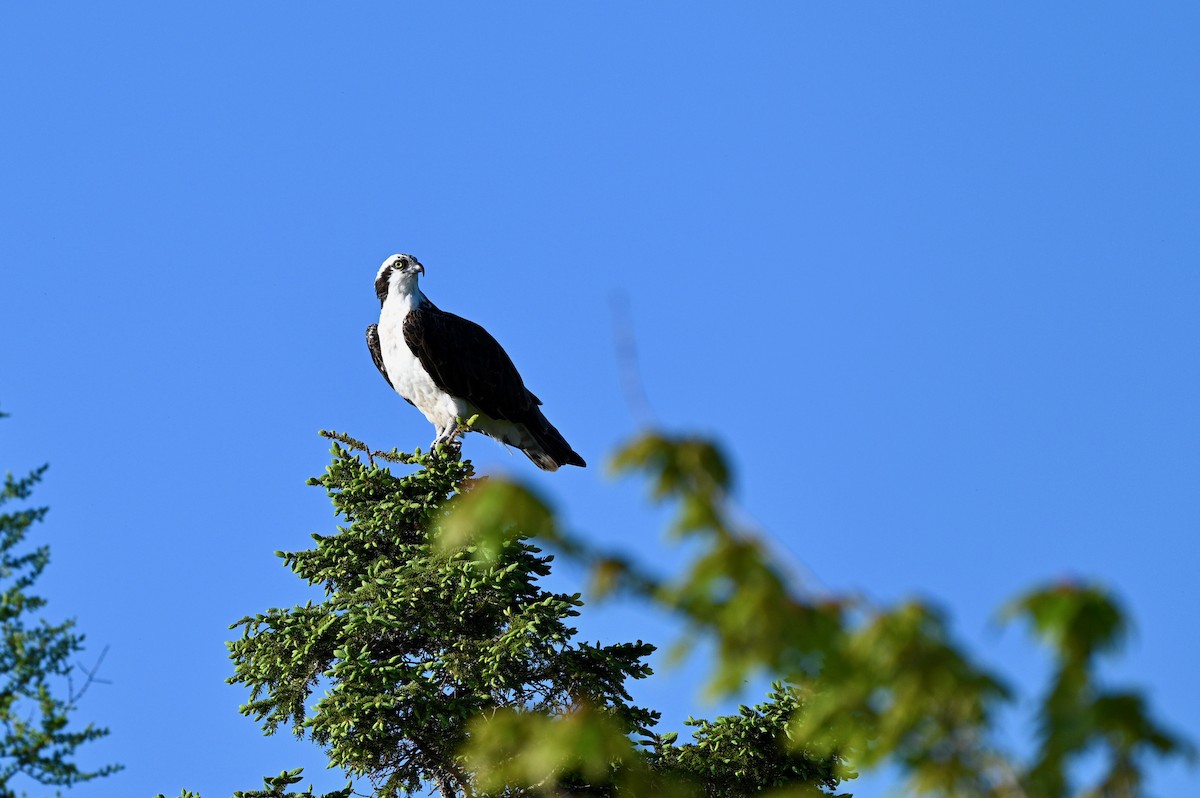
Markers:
398,274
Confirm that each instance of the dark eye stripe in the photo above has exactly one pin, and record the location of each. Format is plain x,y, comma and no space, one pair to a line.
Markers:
381,284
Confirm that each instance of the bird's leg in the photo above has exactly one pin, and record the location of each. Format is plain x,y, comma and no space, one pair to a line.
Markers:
447,435
444,434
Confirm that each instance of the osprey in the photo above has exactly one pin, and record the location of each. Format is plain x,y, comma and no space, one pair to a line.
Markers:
450,368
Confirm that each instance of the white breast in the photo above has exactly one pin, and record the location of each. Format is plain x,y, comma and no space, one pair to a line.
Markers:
407,374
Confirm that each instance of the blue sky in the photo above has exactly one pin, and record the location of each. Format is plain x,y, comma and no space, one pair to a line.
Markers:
930,274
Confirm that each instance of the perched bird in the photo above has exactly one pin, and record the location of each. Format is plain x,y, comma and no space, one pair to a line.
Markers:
451,368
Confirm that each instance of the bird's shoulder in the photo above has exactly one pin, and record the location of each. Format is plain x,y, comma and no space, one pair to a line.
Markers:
430,322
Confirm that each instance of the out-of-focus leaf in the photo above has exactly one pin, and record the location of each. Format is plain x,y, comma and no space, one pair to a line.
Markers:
522,749
674,464
493,511
1078,620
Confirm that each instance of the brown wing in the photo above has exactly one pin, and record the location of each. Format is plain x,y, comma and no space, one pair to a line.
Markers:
376,353
465,361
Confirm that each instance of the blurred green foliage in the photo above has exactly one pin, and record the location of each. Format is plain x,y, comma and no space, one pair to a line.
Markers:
445,667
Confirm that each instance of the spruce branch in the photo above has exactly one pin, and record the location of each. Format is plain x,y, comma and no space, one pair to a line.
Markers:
392,456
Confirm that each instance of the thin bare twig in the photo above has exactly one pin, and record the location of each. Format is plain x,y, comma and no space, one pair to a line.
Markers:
74,696
627,360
